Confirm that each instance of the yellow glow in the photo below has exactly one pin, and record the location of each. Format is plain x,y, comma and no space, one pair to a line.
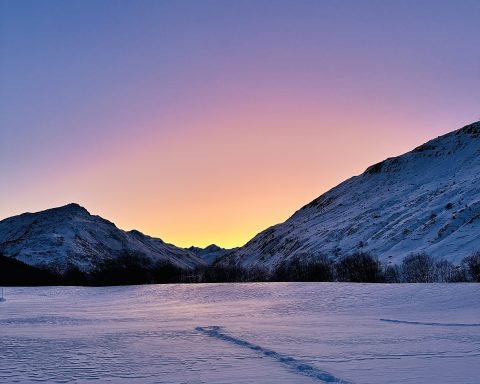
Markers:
237,175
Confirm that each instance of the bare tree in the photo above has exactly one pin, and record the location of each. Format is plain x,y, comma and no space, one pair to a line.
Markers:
418,268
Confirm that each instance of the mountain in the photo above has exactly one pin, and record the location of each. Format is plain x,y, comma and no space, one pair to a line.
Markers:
209,254
427,200
69,236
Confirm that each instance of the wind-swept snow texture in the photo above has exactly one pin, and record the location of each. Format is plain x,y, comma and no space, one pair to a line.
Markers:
60,238
275,333
427,200
288,361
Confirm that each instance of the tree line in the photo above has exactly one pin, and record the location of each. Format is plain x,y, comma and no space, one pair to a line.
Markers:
359,267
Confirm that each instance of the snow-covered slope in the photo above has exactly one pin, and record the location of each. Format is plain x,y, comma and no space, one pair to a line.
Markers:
209,254
425,200
68,236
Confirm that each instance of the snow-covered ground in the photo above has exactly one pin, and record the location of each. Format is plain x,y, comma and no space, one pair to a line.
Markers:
242,333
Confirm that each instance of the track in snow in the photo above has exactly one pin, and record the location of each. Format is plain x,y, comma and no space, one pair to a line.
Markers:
295,365
433,324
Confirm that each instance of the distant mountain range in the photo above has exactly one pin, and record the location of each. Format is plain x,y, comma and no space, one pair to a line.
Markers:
427,200
209,254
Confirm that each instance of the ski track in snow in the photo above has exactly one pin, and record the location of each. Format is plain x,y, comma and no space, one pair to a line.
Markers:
271,333
431,324
295,365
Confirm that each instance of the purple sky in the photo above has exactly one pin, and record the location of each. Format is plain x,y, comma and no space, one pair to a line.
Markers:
204,122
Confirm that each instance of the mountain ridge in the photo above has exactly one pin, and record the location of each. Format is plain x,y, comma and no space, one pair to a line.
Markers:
425,200
69,236
210,253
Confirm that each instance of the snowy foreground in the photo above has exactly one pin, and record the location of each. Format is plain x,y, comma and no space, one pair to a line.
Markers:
242,333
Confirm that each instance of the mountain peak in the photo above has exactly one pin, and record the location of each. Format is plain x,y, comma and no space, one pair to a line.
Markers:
426,200
68,236
441,146
213,247
73,208
210,253
471,129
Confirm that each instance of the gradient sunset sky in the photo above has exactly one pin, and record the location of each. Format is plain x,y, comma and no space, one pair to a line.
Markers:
207,121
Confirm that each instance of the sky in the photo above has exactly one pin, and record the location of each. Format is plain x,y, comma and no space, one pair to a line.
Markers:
205,122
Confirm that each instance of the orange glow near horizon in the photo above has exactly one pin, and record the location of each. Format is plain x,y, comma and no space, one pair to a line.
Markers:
225,185
207,122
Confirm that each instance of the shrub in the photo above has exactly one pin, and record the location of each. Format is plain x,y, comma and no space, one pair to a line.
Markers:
444,271
392,274
418,268
257,274
318,269
359,268
473,266
126,269
459,274
222,273
73,276
14,273
165,273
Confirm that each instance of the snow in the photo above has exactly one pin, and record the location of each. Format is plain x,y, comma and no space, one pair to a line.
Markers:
242,333
209,254
427,200
60,238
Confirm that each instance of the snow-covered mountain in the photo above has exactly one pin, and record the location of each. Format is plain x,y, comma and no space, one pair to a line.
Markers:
425,200
209,254
68,236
